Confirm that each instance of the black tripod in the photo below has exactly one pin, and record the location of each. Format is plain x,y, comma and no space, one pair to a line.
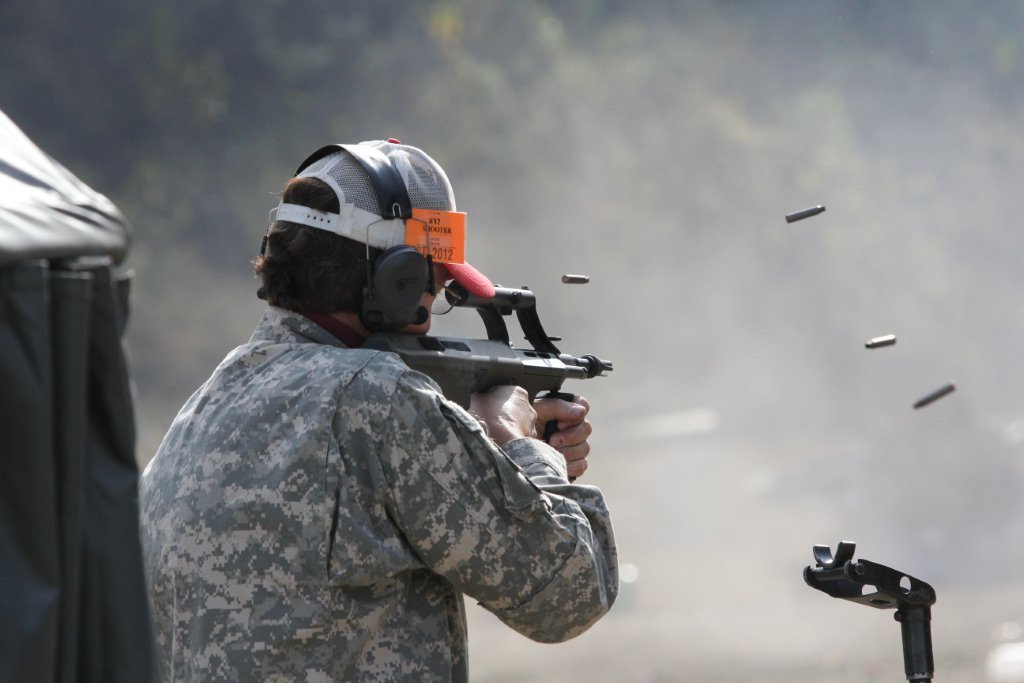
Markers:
842,577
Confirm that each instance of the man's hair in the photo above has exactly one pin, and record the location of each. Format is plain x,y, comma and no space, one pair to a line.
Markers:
308,269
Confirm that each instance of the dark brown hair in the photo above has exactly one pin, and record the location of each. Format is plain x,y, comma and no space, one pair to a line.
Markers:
309,269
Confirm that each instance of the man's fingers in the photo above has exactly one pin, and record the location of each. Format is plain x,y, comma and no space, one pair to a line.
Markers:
576,468
571,435
563,412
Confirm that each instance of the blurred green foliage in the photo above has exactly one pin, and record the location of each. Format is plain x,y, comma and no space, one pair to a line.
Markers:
656,143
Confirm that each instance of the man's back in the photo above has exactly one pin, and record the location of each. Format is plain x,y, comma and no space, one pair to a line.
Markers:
242,504
313,508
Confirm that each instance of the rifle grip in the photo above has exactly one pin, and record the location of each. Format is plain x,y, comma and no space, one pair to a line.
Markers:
552,425
549,429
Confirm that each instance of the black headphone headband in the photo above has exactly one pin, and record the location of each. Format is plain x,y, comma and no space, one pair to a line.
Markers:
392,194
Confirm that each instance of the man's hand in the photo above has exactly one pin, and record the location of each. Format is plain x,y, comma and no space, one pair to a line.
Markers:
573,430
507,413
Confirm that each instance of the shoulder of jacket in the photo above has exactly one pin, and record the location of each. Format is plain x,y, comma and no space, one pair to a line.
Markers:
384,372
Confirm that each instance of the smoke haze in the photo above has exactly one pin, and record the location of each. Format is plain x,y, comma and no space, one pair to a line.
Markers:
657,147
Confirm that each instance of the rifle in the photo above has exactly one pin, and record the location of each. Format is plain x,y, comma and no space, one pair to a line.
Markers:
466,366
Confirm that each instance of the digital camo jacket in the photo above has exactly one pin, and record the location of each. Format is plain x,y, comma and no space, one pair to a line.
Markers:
315,514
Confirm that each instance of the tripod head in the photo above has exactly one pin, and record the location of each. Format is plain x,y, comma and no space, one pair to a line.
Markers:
881,587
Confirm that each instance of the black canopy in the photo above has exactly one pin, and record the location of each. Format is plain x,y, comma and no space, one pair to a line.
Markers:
72,597
48,213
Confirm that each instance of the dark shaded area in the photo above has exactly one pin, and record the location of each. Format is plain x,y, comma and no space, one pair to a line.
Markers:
73,606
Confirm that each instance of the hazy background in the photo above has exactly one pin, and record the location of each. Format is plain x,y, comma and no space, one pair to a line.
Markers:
656,147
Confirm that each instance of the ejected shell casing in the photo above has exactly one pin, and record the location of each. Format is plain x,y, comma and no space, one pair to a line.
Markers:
575,279
878,342
935,395
806,213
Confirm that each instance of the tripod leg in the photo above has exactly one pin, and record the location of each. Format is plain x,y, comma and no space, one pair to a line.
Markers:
915,625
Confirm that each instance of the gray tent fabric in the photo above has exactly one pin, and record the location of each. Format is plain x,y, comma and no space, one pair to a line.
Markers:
49,213
72,596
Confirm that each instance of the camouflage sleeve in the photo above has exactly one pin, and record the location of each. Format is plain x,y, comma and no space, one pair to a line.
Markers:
505,527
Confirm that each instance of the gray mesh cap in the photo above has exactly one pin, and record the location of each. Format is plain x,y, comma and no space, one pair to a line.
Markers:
360,218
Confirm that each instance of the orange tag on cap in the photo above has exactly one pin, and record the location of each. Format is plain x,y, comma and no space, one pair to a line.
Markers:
441,235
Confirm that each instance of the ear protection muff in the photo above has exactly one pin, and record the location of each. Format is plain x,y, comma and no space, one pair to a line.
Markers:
397,279
394,288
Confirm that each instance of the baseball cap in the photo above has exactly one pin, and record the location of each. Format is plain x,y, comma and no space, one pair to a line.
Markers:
360,218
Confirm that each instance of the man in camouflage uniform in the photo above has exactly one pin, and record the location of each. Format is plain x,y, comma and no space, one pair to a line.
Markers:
317,510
